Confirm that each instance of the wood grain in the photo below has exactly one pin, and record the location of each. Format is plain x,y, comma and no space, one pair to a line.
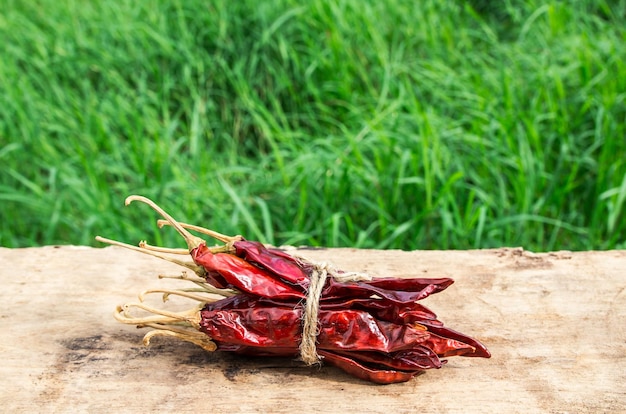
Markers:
554,322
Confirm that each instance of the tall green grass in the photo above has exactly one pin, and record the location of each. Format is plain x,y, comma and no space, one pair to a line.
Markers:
387,124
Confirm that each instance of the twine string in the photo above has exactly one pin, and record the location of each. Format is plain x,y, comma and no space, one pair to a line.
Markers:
310,330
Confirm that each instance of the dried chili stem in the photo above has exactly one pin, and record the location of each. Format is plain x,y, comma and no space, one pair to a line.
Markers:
189,265
212,233
191,317
197,338
181,325
185,293
216,249
184,276
192,241
204,286
144,245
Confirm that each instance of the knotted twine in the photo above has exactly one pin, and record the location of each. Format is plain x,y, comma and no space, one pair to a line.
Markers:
319,274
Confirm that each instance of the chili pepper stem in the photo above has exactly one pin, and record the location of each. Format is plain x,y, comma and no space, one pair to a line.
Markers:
227,248
186,293
176,324
197,338
184,276
211,233
192,241
204,286
144,245
190,317
189,265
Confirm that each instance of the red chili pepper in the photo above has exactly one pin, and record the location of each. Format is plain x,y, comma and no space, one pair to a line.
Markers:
372,329
369,373
286,268
250,322
229,271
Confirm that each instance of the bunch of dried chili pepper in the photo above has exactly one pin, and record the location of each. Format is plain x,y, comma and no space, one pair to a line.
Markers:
257,300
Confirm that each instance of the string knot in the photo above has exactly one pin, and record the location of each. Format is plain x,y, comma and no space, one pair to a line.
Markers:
320,272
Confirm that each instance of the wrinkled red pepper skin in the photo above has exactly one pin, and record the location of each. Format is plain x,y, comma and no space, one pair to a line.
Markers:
283,266
418,359
374,330
347,330
228,271
291,270
398,291
367,373
439,329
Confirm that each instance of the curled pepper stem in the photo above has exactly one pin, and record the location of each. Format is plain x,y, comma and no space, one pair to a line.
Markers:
211,233
192,241
182,325
197,338
191,316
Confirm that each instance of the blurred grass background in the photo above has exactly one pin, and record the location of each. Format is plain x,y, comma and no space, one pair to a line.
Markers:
387,124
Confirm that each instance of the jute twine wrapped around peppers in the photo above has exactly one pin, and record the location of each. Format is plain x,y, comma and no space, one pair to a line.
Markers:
321,271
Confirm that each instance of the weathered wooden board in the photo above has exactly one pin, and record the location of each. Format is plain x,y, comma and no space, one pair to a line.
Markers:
554,322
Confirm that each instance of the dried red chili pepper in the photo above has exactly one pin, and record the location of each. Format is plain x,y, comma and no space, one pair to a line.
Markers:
228,271
373,329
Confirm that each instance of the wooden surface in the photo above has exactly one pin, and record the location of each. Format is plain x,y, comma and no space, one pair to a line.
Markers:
555,324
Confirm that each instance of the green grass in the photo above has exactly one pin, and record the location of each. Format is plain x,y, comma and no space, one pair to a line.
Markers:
387,124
